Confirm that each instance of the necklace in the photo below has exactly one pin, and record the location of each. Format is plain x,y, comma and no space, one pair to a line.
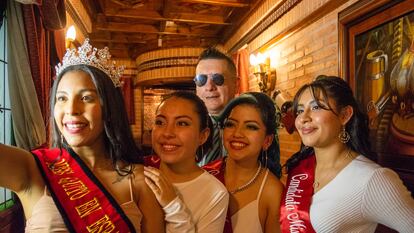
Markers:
249,183
316,183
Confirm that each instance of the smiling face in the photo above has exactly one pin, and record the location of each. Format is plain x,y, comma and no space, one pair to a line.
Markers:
317,127
176,134
245,133
216,97
77,111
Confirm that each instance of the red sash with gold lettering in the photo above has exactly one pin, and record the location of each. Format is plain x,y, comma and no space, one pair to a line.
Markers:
216,168
297,197
83,202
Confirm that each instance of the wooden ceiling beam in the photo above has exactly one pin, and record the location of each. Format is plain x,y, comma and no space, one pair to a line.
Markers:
198,18
129,31
120,53
126,27
176,17
226,3
133,13
124,40
121,35
165,13
145,28
166,9
112,45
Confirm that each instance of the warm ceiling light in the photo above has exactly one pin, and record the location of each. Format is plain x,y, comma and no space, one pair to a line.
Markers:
253,60
71,33
261,58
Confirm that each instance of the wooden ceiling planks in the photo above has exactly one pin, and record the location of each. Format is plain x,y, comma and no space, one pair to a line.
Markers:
137,26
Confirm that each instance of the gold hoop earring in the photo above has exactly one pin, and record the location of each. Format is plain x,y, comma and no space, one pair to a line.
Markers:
344,136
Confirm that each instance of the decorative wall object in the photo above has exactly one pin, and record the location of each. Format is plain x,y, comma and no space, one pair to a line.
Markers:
381,71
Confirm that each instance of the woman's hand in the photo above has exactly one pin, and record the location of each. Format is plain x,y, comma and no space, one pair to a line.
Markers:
161,187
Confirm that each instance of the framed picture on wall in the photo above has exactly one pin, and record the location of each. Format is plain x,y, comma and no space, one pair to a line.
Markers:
378,53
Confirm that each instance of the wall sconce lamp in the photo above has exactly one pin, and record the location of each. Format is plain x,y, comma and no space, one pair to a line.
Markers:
70,36
266,77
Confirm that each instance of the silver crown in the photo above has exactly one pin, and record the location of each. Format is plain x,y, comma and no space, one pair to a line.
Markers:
98,58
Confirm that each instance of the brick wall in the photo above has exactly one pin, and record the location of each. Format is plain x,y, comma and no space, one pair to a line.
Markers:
300,58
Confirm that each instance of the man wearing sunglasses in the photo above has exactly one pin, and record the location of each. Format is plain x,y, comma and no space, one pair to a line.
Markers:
216,83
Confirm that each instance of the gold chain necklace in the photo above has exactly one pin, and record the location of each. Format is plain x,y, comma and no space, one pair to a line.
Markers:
316,183
249,183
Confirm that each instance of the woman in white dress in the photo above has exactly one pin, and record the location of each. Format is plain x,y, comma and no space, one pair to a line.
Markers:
332,185
193,200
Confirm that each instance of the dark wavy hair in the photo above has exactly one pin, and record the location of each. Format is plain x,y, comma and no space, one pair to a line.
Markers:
117,133
325,88
270,117
202,112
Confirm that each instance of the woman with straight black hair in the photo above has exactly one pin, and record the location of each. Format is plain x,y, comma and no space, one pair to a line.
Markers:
92,178
332,186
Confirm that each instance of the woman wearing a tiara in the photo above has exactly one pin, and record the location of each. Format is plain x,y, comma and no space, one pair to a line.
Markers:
91,180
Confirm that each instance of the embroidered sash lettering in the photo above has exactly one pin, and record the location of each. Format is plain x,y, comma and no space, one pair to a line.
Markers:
74,188
81,199
102,225
88,207
296,199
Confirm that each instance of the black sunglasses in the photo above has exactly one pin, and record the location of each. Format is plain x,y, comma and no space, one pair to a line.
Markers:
201,79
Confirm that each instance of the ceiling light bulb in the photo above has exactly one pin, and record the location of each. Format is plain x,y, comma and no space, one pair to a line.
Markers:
253,60
71,33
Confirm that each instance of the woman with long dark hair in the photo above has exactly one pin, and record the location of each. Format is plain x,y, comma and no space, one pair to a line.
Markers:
251,170
332,186
92,178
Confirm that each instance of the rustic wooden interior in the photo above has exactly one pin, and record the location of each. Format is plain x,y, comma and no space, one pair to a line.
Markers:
133,27
158,41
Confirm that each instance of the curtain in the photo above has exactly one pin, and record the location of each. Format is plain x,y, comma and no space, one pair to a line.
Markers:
38,2
127,91
29,127
241,59
44,31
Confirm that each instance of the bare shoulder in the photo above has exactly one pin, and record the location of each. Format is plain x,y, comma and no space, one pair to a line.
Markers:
153,216
138,174
272,192
138,179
